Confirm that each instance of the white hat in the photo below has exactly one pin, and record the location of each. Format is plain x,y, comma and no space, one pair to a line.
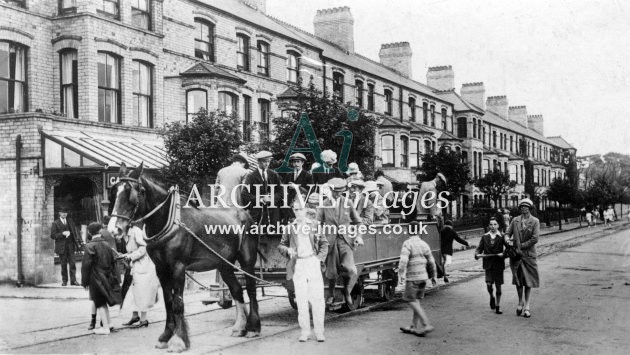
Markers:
526,202
329,156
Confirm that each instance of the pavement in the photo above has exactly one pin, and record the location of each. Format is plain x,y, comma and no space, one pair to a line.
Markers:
53,319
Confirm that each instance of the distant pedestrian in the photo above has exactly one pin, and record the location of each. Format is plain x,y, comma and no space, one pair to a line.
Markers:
490,248
609,215
523,235
628,216
415,268
589,218
447,235
98,274
596,215
66,243
307,253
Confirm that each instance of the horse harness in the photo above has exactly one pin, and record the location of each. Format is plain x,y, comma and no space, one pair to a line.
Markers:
173,223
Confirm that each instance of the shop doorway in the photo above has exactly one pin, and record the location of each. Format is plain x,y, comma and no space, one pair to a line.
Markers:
79,195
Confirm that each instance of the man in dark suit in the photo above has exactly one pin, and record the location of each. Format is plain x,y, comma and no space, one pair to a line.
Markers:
299,177
65,241
263,192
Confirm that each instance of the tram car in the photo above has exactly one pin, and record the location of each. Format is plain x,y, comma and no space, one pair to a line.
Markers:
376,263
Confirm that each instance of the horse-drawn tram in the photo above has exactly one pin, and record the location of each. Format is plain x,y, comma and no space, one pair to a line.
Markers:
376,262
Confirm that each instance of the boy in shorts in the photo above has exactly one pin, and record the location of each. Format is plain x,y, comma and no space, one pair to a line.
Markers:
415,268
490,248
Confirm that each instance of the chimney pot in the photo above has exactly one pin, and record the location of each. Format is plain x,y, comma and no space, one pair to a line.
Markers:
474,93
441,78
335,25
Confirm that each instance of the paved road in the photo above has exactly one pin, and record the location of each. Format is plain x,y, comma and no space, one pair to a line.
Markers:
582,307
58,326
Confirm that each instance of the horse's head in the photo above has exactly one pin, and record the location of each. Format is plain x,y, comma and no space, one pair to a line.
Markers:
128,199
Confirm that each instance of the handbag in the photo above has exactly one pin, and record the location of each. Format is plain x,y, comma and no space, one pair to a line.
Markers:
513,253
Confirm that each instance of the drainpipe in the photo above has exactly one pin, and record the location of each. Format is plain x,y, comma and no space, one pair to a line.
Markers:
400,103
321,56
18,192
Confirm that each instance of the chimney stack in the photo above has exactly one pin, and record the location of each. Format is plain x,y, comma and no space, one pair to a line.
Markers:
441,78
498,105
518,114
475,93
397,56
535,122
336,25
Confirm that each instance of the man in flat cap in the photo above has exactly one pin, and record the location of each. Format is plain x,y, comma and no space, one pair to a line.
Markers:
65,243
230,177
299,177
265,200
338,212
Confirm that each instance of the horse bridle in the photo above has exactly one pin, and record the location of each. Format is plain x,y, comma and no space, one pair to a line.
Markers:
126,180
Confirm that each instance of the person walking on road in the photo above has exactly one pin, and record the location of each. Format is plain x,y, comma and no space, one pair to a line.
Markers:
415,268
490,248
447,235
523,235
589,218
307,253
98,274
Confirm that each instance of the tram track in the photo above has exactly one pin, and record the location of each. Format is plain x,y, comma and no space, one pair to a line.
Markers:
276,313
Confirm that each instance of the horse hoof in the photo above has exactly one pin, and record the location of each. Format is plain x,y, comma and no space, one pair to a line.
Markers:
176,345
161,345
239,333
252,334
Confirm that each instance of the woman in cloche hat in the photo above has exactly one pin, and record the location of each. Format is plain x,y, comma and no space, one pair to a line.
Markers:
523,235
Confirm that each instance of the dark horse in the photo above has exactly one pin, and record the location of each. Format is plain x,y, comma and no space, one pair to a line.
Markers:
176,251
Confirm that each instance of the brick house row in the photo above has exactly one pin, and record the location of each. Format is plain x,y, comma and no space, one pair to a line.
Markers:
85,84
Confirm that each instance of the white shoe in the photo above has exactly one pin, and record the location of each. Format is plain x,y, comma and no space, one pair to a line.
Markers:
303,338
101,331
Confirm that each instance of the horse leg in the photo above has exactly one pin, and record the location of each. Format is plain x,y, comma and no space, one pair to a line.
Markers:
247,259
179,341
167,291
236,290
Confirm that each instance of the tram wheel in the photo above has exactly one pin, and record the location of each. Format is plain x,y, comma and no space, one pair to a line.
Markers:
388,289
292,300
357,297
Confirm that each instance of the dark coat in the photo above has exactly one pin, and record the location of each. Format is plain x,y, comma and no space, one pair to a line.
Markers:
98,272
263,214
322,178
447,235
60,240
304,179
489,246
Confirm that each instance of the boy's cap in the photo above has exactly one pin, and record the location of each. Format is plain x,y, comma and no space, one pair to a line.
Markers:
94,228
448,222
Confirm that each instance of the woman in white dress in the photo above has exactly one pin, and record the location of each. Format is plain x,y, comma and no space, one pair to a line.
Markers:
145,284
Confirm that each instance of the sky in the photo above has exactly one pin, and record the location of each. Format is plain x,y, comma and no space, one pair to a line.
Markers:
567,60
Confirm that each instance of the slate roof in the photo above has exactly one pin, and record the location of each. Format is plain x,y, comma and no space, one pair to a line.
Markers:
459,103
362,64
561,142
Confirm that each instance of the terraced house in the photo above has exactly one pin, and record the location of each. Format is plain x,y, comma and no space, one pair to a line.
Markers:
85,84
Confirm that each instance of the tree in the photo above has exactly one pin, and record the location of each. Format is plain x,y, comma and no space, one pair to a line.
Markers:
449,163
328,117
562,191
198,149
495,184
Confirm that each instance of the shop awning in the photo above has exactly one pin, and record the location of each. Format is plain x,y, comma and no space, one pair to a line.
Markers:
80,150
